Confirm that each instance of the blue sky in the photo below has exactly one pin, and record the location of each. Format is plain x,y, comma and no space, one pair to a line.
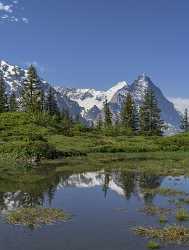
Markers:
87,43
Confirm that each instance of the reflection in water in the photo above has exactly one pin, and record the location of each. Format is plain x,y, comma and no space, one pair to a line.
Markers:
124,184
97,199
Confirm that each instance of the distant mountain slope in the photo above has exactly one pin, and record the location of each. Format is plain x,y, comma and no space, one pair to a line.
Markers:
180,103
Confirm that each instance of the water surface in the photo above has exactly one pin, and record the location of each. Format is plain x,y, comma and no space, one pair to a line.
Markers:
105,208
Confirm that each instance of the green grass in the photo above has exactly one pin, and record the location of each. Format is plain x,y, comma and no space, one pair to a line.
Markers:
23,136
157,163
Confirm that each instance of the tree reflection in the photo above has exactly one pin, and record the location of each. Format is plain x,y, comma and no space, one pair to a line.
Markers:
150,182
127,179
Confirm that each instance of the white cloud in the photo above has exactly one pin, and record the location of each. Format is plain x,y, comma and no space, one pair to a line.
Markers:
180,103
6,8
25,20
10,12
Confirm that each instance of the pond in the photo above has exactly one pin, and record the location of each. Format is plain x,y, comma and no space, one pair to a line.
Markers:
105,208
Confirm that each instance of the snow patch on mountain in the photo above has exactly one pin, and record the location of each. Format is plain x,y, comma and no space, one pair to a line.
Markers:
88,98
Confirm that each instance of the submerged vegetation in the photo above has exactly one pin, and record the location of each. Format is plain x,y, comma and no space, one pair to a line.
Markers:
35,216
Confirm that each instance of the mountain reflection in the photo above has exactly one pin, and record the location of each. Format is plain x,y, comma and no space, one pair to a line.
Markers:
125,184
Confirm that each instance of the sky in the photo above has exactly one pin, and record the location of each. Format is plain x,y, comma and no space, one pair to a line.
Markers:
94,44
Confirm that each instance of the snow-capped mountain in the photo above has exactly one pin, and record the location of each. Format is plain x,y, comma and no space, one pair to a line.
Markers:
92,100
14,77
88,98
88,103
168,112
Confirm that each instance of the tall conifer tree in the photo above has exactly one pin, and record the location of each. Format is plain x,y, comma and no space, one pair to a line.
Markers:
107,114
13,106
31,95
129,114
51,103
150,121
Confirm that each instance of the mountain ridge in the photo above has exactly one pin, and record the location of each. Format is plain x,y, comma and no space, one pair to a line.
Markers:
88,103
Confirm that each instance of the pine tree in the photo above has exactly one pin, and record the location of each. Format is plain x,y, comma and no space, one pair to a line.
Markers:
150,121
51,103
67,122
107,115
129,114
3,96
31,95
13,106
135,119
99,123
185,121
43,101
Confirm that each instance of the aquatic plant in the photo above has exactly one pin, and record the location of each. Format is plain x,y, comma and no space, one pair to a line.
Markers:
35,216
154,210
163,219
153,245
170,234
182,215
164,191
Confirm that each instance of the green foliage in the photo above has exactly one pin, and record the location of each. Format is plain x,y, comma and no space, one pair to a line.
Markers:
13,105
51,103
107,115
31,94
24,139
129,114
150,121
174,143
